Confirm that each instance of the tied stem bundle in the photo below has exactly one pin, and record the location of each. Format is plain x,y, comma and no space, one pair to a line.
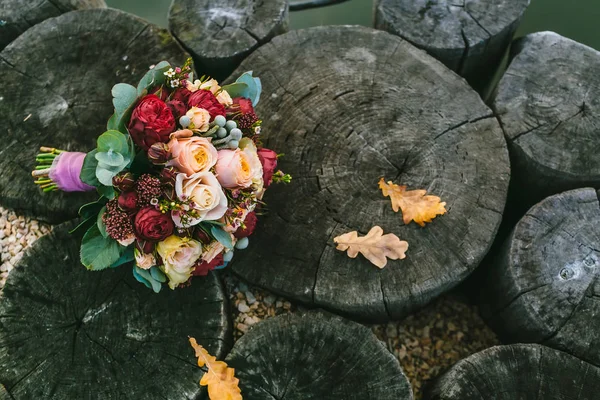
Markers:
44,161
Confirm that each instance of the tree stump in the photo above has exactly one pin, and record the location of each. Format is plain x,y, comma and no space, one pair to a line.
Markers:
16,16
68,333
549,112
377,107
517,372
544,285
219,35
60,95
470,37
316,355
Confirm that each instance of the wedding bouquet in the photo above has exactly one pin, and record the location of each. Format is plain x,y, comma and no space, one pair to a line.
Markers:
180,172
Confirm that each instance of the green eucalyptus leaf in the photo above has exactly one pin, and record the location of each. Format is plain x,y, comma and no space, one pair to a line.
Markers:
110,158
156,285
140,278
116,123
254,87
115,141
98,252
100,223
88,169
157,274
124,96
221,236
126,257
153,78
105,176
237,89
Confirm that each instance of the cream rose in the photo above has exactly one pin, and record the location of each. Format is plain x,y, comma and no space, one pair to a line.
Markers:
222,96
193,86
240,168
179,256
209,202
200,119
191,154
144,261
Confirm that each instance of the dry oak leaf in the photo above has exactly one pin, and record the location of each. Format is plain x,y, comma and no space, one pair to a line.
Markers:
415,204
376,247
220,379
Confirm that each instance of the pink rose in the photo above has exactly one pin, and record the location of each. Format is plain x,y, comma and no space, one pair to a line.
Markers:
268,159
240,168
191,154
209,202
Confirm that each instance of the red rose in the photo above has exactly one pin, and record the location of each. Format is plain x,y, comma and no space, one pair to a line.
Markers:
127,202
268,159
204,268
245,105
250,223
182,95
152,225
152,121
206,100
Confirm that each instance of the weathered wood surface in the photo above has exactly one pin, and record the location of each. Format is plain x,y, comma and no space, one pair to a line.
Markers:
316,356
517,372
55,90
67,333
348,105
469,36
16,16
544,285
547,103
221,33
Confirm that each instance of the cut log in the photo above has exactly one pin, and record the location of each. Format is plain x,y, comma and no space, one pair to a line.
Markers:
470,37
68,333
544,285
550,113
16,16
517,372
55,90
377,107
313,356
220,34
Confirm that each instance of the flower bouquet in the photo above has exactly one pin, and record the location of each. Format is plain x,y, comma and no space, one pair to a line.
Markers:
180,172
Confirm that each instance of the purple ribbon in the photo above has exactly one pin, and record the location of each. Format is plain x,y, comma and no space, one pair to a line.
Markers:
65,172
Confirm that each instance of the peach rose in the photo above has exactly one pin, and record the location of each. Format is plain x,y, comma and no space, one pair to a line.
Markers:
248,146
209,202
239,168
200,119
191,154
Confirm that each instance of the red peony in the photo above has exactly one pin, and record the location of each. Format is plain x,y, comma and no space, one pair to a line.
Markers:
268,159
152,121
245,105
178,102
152,225
206,100
128,202
250,223
204,268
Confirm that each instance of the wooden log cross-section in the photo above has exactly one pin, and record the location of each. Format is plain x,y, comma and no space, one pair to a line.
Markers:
347,106
221,33
548,103
16,16
316,356
544,286
55,90
468,36
517,372
69,333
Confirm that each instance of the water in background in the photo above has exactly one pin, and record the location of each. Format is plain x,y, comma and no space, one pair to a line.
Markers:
574,19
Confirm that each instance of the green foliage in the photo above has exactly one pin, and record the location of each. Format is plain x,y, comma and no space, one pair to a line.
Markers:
100,223
113,156
88,170
153,78
246,86
220,235
140,164
125,98
125,258
152,278
97,252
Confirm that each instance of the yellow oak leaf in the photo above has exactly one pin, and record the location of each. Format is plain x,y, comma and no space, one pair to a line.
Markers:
220,379
415,204
376,247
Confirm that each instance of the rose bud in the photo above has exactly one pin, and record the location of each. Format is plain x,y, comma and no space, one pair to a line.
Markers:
158,153
124,181
201,236
250,225
127,202
268,159
168,174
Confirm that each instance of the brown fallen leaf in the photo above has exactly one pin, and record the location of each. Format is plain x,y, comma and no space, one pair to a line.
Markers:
415,204
376,247
220,379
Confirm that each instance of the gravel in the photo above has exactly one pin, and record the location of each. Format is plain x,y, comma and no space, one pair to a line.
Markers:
425,343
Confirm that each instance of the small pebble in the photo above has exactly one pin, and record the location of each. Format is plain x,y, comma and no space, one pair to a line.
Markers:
243,307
